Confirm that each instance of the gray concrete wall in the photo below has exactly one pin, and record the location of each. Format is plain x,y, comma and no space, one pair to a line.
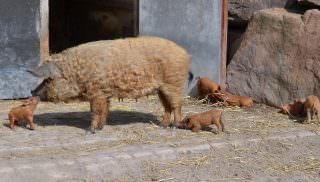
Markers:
19,46
194,24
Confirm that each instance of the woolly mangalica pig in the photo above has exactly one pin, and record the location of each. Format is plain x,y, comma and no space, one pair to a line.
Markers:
123,68
198,121
24,111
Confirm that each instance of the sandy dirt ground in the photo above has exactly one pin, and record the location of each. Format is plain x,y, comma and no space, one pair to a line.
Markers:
259,145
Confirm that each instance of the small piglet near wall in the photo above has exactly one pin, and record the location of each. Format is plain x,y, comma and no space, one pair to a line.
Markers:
217,93
24,112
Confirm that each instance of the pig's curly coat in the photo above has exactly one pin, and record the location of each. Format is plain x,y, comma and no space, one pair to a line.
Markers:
126,68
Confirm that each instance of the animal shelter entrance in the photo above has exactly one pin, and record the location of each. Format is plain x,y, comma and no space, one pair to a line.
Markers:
200,26
41,27
74,22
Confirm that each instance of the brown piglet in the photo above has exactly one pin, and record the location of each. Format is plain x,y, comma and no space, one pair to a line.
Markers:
233,100
206,87
201,120
312,107
24,111
293,109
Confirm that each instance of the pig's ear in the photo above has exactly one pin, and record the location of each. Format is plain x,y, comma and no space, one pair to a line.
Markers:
26,101
49,70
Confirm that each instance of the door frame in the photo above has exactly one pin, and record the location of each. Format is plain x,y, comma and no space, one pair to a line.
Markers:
44,30
224,41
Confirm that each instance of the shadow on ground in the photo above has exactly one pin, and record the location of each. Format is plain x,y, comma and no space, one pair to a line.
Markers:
82,119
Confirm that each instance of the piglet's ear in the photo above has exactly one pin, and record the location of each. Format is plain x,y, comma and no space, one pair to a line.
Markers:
26,101
48,70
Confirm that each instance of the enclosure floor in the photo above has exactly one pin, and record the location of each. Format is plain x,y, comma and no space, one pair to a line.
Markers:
259,145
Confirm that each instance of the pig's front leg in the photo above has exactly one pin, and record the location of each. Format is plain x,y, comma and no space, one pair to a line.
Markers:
99,110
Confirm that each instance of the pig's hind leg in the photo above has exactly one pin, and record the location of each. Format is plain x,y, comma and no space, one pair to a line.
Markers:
12,121
30,122
174,99
104,115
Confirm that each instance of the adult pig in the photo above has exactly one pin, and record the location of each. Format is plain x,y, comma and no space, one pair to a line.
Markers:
123,68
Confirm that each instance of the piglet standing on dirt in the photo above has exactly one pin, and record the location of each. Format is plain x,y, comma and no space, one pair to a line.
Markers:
24,111
201,120
312,107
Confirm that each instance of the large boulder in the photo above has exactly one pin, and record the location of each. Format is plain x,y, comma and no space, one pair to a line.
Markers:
240,11
279,58
310,2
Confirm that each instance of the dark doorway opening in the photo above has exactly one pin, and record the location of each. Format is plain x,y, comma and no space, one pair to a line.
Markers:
74,22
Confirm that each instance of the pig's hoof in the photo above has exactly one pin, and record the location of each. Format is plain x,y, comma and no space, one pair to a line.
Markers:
215,132
306,122
226,132
91,130
100,127
12,128
163,127
30,127
173,127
